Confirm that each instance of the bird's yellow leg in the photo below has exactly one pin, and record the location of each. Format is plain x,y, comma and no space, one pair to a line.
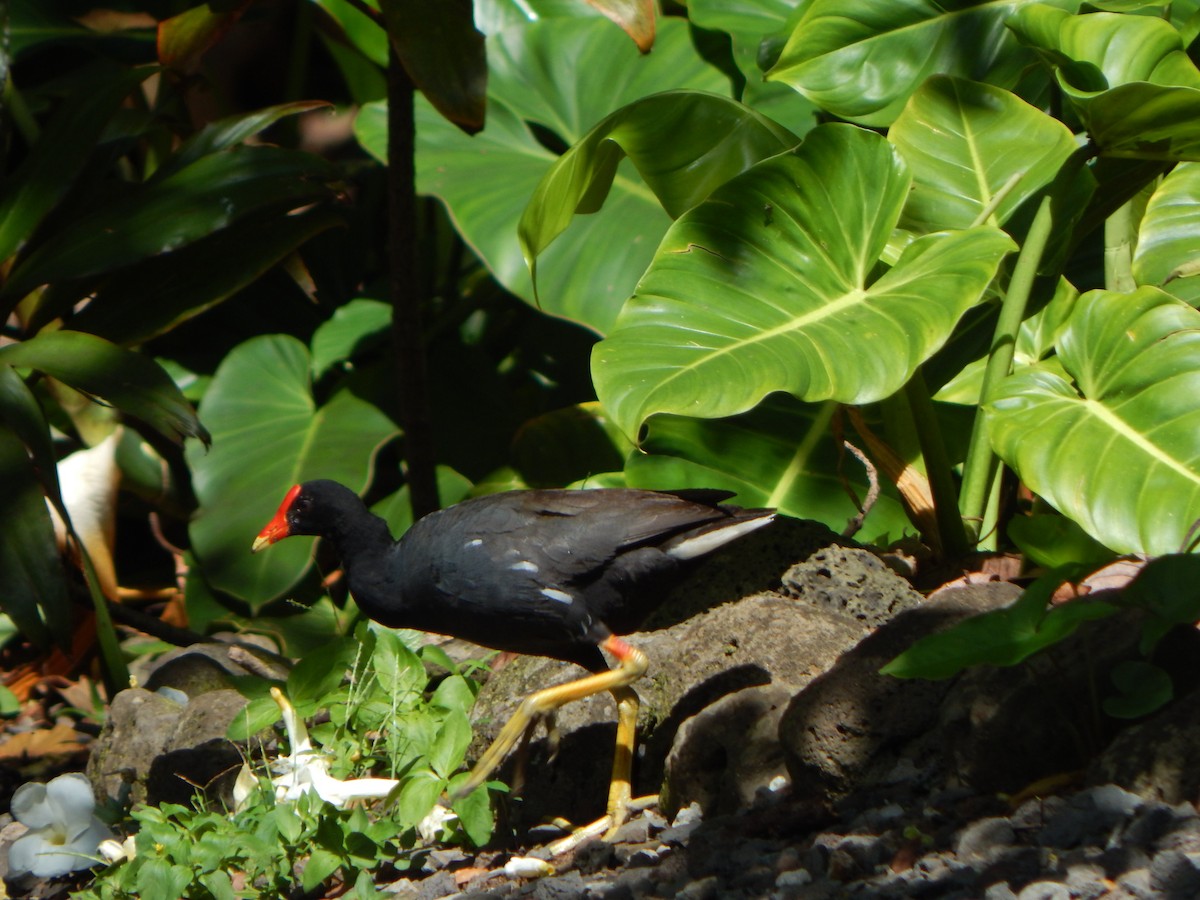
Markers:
631,665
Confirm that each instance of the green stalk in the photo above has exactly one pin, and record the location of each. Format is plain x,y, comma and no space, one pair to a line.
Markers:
19,112
1119,231
952,535
115,671
979,471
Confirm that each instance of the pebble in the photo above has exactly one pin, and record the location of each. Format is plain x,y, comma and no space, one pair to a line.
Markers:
982,840
1045,890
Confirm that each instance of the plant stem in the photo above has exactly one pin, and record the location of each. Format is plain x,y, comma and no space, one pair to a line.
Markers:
408,336
1119,231
980,467
952,537
115,671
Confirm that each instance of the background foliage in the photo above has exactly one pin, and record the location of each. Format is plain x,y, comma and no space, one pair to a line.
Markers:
974,224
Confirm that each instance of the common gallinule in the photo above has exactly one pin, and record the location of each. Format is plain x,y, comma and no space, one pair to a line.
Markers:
557,573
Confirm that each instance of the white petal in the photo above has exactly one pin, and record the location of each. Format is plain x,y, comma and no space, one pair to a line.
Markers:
431,827
32,854
71,797
29,806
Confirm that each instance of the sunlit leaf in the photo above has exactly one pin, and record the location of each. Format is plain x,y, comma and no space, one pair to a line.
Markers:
1168,240
966,143
770,285
636,18
861,60
1118,450
684,144
1002,637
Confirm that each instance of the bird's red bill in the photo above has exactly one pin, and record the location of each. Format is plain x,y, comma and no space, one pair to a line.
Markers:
277,528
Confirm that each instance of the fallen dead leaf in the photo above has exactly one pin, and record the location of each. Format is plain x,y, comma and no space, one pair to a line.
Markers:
61,740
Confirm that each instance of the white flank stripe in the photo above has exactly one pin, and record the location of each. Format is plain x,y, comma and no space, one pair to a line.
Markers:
524,566
478,542
711,540
556,594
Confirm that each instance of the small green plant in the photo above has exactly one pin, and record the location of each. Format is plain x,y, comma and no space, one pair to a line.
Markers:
284,840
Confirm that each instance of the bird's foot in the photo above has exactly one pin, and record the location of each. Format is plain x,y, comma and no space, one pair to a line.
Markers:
604,828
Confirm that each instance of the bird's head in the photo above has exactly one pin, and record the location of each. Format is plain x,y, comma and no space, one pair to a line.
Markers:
314,507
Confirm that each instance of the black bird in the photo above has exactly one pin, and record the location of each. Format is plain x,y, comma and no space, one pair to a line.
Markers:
557,573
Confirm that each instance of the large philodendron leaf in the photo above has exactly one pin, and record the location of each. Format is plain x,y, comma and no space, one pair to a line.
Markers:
964,143
1168,242
861,59
268,434
1118,450
564,75
768,286
781,454
1128,77
684,144
123,378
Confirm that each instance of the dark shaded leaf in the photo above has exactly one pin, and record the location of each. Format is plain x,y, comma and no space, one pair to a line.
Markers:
127,380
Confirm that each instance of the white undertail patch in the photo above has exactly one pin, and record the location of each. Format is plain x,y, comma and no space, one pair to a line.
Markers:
704,543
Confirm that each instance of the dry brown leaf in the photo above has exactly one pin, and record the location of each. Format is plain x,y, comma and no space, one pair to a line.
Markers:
61,740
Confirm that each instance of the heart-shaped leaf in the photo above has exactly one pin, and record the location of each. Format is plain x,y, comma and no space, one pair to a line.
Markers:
268,434
1128,77
770,285
684,144
965,142
563,75
861,60
1128,428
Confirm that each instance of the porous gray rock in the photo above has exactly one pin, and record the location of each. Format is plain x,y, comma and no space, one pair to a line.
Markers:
154,749
846,728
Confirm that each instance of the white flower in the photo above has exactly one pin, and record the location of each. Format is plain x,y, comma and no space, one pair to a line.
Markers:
305,769
63,832
433,827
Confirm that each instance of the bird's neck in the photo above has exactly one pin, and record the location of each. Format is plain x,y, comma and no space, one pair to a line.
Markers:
360,538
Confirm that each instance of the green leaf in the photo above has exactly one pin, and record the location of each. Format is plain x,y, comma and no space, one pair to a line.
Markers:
129,381
781,454
313,678
418,795
353,325
264,441
1168,588
288,822
1168,241
474,812
965,142
164,215
453,694
1001,637
321,864
1128,428
184,38
1128,77
1053,541
147,300
451,744
564,75
33,585
684,144
1141,689
364,32
60,153
9,704
769,286
568,445
861,60
398,669
219,884
259,713
443,55
159,878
